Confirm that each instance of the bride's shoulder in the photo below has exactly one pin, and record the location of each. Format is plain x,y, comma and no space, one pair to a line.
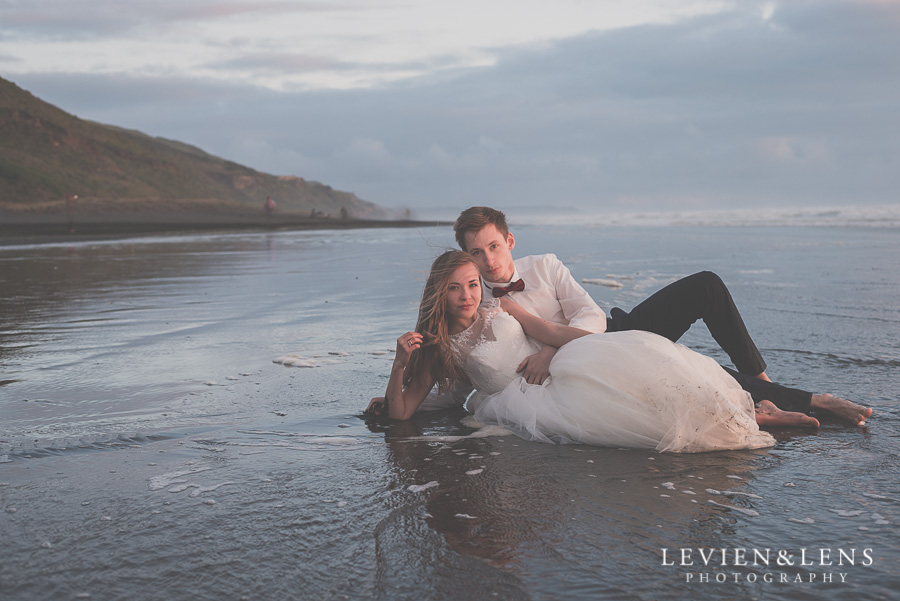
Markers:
490,306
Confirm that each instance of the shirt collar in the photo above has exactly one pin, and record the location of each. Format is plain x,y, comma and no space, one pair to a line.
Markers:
492,285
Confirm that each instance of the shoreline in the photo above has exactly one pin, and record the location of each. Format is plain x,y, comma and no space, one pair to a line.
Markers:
22,229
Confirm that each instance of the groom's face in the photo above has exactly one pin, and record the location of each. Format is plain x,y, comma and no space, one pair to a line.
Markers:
491,251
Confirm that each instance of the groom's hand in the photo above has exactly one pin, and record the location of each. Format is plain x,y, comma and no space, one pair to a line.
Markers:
535,368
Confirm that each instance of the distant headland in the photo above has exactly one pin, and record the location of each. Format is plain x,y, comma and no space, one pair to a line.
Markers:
63,175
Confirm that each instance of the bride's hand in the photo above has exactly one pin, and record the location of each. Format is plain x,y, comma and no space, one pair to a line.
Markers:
406,344
376,406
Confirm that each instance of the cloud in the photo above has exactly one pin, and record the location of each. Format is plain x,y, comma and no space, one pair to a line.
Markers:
271,62
249,149
99,96
793,150
91,18
287,63
367,43
769,104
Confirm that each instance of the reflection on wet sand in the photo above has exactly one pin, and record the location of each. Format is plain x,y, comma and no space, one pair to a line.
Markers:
477,503
461,520
505,511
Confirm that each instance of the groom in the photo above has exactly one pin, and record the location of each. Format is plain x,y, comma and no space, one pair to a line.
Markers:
544,286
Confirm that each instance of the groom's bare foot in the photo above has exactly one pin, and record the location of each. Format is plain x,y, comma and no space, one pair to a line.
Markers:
842,408
762,376
767,414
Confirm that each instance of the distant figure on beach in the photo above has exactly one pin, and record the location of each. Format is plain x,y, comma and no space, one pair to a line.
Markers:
270,206
71,200
545,287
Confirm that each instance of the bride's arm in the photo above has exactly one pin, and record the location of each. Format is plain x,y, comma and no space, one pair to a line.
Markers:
403,402
542,330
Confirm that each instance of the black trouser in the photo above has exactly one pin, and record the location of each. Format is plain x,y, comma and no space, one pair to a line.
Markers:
671,311
787,399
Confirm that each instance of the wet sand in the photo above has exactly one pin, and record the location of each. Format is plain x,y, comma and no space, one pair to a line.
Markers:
17,227
152,447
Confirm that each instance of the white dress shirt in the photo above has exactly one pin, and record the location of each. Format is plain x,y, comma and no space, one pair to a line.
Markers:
551,293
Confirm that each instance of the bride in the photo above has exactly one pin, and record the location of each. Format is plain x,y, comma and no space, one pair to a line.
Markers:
624,389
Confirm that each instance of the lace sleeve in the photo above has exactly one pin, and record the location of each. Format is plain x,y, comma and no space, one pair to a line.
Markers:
490,305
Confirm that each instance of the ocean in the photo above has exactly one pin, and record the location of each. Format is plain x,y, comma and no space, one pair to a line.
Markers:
181,419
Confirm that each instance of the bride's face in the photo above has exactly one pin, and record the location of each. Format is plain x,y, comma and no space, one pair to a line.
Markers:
463,295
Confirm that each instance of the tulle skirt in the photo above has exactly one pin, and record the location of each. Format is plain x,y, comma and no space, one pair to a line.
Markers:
630,389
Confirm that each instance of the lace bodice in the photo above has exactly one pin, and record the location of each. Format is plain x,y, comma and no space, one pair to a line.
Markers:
491,349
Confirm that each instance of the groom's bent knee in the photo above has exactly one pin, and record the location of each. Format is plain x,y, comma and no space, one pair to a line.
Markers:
709,281
709,278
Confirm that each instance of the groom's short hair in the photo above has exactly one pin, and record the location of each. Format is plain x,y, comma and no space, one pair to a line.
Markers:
475,219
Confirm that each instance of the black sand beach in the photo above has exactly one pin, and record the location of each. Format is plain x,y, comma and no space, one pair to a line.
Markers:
18,227
152,447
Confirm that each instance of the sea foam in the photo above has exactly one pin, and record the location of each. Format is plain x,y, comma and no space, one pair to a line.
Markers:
879,216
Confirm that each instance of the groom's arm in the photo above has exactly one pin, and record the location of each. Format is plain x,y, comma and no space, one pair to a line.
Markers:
555,295
577,305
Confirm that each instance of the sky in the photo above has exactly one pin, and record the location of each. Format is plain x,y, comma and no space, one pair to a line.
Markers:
590,106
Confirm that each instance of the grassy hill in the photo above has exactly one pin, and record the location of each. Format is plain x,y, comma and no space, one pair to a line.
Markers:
46,154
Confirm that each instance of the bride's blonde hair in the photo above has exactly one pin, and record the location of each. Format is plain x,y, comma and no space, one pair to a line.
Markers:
434,360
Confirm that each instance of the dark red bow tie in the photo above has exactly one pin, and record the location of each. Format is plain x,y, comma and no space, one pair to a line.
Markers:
516,286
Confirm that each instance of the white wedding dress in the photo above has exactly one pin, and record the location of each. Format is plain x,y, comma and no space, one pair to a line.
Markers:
624,389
